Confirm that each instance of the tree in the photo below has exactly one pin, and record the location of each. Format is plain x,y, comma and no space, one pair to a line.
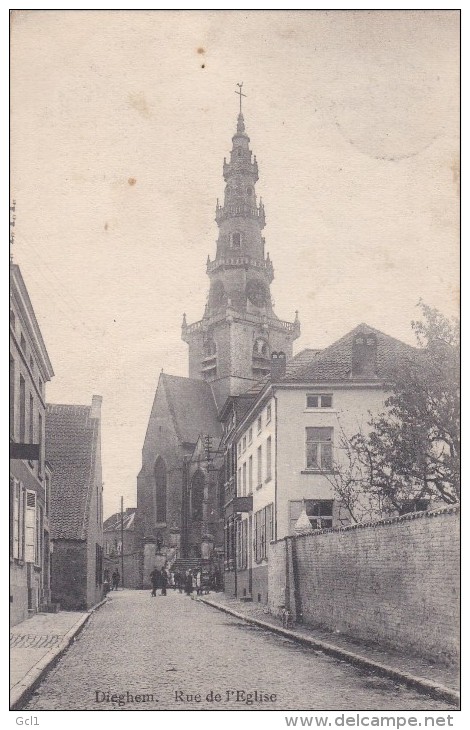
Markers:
411,456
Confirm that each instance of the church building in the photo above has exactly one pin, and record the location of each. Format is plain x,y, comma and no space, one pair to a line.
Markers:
180,495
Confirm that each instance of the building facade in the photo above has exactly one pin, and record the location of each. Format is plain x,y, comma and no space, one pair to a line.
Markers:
30,477
73,438
121,549
290,442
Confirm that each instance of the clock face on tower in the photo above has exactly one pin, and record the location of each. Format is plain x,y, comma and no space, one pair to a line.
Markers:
256,291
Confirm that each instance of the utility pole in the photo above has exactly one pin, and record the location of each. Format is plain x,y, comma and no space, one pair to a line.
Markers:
122,541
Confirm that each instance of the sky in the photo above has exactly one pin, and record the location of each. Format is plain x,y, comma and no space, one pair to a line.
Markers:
120,121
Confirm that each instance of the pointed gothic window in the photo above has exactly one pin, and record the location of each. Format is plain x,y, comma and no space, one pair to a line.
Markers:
160,490
197,496
210,348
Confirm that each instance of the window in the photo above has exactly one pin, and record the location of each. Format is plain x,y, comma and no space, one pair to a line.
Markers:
250,435
30,527
263,532
250,475
160,490
319,512
268,459
244,479
239,448
249,190
40,439
22,409
239,152
47,493
21,528
259,424
319,448
15,488
244,443
12,397
23,342
260,466
40,385
319,401
268,413
31,419
38,559
242,544
31,363
236,240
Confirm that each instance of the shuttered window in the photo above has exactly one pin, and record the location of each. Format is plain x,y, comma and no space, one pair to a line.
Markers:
30,527
15,488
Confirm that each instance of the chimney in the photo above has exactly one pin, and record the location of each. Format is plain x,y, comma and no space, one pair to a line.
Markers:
364,355
96,402
278,365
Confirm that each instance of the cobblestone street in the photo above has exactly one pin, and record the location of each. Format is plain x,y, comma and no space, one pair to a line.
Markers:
174,647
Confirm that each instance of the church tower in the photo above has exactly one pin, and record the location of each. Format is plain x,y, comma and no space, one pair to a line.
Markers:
231,346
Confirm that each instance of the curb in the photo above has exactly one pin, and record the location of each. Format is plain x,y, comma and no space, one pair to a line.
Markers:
21,691
426,686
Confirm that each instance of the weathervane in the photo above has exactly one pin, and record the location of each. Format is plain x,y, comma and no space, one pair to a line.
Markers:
240,94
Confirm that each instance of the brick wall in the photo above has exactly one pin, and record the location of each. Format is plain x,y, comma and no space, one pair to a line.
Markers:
395,582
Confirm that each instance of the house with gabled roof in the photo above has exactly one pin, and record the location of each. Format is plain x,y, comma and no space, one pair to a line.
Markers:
288,440
120,548
73,447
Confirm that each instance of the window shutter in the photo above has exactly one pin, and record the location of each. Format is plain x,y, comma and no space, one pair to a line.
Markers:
16,518
30,527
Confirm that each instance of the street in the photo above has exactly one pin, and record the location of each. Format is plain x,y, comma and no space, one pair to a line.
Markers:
173,653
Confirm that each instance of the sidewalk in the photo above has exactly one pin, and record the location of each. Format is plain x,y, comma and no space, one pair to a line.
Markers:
36,643
439,681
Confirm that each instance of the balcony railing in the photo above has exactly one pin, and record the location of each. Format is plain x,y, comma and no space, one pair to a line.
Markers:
240,209
222,261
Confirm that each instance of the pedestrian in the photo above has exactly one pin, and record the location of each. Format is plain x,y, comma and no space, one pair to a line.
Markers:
155,580
116,579
164,580
188,583
178,580
199,582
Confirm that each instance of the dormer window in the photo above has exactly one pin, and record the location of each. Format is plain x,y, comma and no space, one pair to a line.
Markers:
364,355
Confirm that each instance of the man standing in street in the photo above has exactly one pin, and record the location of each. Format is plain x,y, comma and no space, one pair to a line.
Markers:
155,580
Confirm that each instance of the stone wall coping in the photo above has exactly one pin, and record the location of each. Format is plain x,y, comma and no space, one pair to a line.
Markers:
448,509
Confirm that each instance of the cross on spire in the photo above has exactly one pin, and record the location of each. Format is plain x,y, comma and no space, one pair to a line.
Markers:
240,94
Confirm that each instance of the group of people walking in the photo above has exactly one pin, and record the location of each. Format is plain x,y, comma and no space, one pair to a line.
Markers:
188,581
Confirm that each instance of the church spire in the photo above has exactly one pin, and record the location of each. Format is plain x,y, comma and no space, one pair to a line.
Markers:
231,344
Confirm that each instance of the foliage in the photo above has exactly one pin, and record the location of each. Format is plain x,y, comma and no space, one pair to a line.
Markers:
411,455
